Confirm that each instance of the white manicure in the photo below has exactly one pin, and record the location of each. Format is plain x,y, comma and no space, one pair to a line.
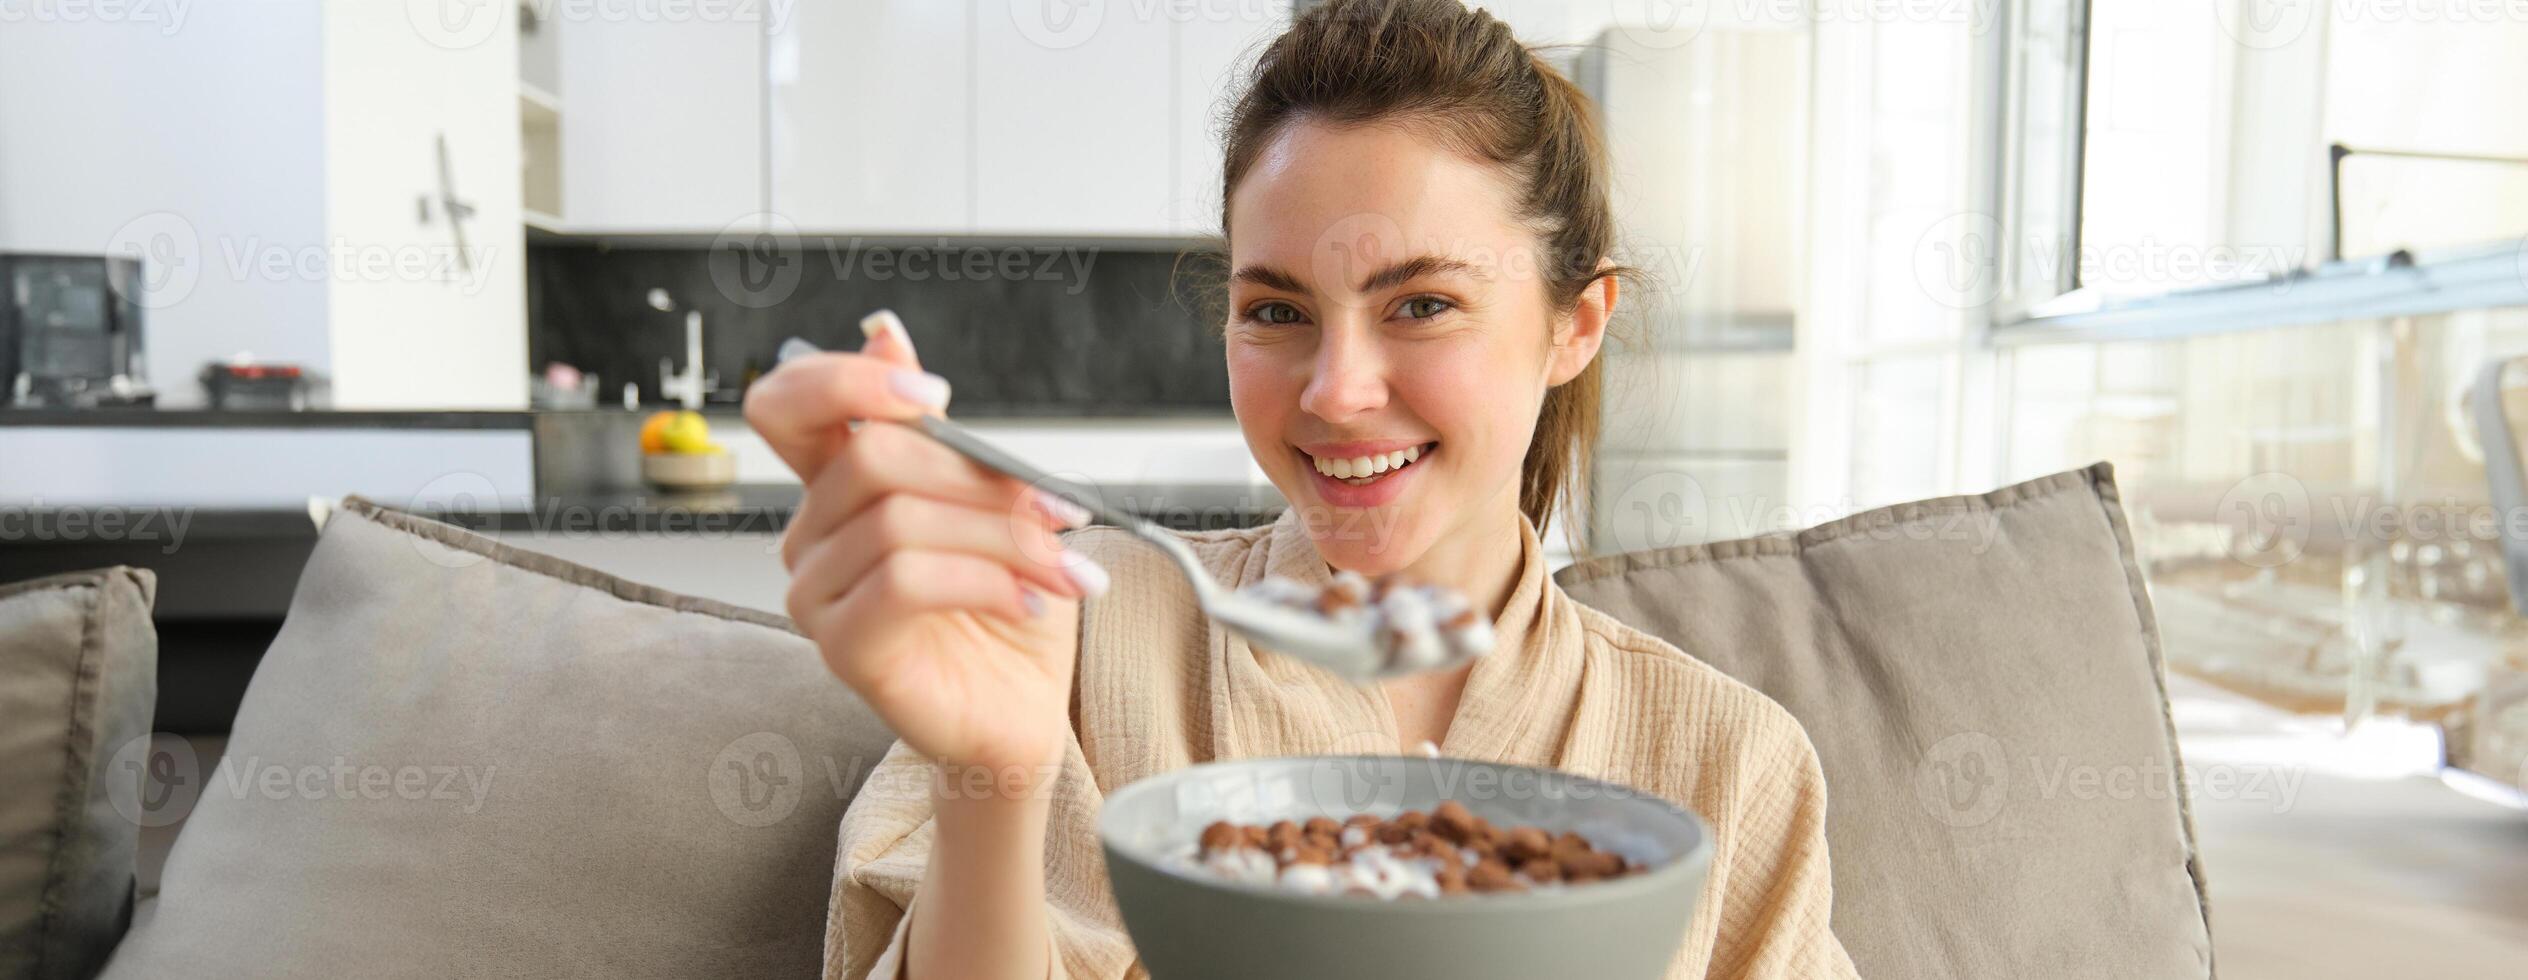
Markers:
1085,573
880,323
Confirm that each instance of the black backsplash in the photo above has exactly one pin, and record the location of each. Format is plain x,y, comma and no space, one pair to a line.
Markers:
1017,330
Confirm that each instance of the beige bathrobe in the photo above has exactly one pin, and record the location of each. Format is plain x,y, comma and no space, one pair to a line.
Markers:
1160,688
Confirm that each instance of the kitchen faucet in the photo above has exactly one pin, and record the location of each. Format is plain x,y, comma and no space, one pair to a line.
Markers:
685,386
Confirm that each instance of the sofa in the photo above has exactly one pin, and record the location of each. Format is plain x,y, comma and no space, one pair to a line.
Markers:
460,758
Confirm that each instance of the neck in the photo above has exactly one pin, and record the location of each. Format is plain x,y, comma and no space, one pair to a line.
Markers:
1481,558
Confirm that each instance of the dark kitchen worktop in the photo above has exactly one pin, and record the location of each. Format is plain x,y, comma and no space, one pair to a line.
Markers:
741,509
971,414
179,418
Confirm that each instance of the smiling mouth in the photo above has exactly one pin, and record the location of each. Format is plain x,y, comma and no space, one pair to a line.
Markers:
1361,471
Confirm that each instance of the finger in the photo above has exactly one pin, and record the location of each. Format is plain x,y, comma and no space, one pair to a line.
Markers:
855,626
804,408
882,460
830,565
883,337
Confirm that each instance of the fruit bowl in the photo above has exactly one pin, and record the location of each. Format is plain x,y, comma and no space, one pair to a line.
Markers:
689,471
677,453
1186,924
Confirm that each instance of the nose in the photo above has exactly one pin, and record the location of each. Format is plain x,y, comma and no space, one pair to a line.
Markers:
1350,376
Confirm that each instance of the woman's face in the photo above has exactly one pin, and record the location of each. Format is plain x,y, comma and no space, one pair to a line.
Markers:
1390,339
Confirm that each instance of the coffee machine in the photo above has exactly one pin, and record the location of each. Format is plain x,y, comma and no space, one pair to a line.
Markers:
70,331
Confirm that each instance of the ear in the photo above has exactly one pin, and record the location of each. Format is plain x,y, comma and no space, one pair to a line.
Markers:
1584,330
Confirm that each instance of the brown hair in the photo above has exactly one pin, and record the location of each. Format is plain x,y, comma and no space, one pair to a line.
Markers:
1462,73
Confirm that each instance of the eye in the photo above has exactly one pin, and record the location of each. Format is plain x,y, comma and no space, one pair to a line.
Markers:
1424,307
1275,313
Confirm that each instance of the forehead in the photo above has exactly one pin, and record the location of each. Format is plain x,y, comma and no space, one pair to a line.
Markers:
1328,204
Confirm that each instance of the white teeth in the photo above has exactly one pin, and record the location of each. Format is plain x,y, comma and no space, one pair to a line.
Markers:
1359,467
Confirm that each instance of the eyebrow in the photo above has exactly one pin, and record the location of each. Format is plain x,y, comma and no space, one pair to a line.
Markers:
1388,276
1399,273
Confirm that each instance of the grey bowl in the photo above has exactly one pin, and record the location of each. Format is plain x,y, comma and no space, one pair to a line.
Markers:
1188,925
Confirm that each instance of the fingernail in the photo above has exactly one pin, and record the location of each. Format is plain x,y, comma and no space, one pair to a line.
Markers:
882,323
919,387
1084,573
793,349
1035,603
1062,513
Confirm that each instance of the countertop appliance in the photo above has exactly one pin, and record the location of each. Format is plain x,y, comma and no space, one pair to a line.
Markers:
250,386
70,331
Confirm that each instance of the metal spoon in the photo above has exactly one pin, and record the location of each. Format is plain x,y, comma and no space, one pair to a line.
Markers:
1348,648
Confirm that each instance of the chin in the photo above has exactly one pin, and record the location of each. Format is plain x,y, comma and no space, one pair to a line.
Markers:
1371,541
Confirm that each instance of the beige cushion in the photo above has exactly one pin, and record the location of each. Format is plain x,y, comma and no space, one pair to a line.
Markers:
1982,678
78,682
460,759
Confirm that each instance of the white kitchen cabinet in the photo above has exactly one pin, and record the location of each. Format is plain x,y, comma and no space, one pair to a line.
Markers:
1075,118
295,208
665,131
870,116
1217,43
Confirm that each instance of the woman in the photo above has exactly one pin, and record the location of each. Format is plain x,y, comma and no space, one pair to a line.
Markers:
1417,234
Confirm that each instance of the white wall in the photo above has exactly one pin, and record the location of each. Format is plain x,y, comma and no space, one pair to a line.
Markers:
198,136
434,333
266,159
2469,100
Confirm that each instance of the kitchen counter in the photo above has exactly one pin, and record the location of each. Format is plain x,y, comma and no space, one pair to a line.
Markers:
141,417
215,502
741,509
767,508
226,575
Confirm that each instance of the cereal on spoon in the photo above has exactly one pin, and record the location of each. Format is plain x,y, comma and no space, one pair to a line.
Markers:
1418,627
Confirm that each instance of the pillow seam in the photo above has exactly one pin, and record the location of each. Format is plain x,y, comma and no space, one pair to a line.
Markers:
2111,507
548,566
1797,542
70,800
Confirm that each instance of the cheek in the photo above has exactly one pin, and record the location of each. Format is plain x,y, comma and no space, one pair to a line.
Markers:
1262,389
1480,395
